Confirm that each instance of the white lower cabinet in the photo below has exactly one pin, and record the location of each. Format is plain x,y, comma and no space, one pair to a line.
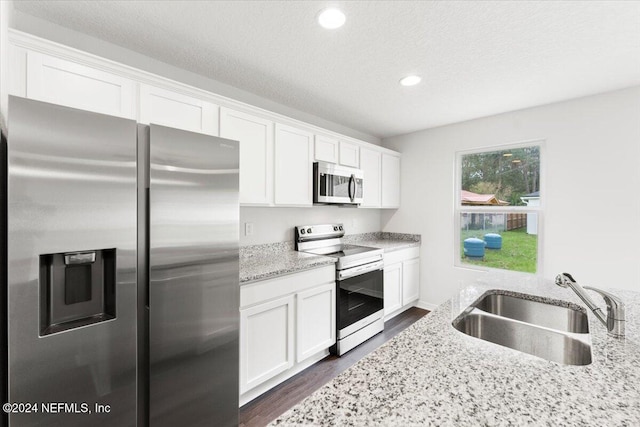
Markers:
286,325
266,346
316,320
410,280
392,288
401,280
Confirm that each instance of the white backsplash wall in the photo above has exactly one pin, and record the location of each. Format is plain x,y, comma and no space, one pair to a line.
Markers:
272,224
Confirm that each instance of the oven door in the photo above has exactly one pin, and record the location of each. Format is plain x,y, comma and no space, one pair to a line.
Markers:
336,184
358,298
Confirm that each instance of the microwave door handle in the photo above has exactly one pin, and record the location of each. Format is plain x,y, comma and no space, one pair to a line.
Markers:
352,194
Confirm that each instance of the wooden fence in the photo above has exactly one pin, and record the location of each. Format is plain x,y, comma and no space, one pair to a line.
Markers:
516,220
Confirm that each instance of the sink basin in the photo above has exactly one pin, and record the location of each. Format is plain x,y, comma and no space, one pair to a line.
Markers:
538,313
550,331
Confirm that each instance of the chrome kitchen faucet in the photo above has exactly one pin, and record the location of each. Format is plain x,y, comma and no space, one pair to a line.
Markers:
614,321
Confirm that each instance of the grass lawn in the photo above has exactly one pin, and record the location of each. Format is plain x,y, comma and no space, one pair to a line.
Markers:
519,250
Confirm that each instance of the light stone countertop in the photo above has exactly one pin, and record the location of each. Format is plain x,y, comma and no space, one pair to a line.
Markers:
388,241
431,374
261,262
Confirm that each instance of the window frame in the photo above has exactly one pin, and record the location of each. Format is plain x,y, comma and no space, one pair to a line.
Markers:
459,209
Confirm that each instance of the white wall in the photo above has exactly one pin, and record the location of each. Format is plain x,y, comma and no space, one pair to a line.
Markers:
591,194
276,224
47,30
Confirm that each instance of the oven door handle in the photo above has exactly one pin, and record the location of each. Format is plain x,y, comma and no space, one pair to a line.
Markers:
362,269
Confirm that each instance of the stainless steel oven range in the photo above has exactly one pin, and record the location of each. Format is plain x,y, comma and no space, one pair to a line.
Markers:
359,283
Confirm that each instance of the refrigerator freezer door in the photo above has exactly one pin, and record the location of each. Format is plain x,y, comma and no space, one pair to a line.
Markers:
71,189
194,289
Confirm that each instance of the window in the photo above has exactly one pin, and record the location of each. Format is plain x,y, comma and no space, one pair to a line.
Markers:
498,207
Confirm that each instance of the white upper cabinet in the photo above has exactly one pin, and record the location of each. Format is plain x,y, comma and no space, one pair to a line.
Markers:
371,165
293,160
256,154
71,84
276,163
390,181
326,149
168,108
349,154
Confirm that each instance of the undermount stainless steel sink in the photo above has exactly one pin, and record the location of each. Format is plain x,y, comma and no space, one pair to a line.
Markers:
554,332
538,313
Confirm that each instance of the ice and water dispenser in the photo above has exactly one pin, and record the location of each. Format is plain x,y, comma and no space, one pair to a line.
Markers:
76,289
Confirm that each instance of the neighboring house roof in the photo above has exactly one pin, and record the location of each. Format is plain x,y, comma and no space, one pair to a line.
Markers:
469,198
531,199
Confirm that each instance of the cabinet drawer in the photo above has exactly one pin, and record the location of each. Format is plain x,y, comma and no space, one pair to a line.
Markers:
265,290
401,255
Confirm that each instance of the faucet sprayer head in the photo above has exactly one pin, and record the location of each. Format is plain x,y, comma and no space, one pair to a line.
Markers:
563,279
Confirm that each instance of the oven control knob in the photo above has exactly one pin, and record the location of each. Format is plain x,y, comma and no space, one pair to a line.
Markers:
302,231
308,231
335,228
341,228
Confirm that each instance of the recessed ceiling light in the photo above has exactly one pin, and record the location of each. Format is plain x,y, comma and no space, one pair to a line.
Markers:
410,80
331,18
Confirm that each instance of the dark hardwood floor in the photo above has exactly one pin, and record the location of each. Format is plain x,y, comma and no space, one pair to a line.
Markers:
266,408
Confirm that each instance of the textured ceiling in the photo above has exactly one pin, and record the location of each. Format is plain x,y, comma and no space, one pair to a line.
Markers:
476,58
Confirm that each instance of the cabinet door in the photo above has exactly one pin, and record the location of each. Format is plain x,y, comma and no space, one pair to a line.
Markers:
256,154
67,83
167,108
371,165
410,280
293,166
326,149
266,341
392,288
349,154
316,320
390,181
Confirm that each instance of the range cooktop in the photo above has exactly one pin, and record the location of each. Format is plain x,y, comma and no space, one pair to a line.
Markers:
326,240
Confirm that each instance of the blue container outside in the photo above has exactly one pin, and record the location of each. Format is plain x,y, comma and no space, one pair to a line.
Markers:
474,247
494,241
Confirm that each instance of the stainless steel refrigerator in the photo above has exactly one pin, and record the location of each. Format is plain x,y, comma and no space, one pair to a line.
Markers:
122,249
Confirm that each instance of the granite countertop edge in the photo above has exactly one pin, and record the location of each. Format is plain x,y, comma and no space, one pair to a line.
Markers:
272,260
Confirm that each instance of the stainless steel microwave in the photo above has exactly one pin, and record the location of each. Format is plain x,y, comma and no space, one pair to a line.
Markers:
333,184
